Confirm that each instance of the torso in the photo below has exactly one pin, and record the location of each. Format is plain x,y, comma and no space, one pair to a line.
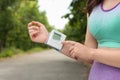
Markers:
104,25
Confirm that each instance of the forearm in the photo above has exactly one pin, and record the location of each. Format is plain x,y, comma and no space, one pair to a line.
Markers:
107,56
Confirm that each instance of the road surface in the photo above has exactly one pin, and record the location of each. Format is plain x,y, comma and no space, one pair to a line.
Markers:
45,65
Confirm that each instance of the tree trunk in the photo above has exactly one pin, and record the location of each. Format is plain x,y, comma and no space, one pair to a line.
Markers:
1,47
3,42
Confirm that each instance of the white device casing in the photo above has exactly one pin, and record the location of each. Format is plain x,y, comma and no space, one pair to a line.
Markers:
55,43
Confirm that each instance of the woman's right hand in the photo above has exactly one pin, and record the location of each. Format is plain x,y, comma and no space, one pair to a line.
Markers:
38,32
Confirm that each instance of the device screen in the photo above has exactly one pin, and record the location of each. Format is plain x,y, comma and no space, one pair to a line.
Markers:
56,36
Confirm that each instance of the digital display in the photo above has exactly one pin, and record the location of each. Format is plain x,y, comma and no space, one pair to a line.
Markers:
56,36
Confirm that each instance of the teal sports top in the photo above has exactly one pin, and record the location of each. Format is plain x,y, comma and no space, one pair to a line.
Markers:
104,25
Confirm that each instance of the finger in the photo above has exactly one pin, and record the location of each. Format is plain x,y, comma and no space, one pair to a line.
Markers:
33,28
71,49
63,42
72,53
69,42
30,31
29,24
33,33
37,23
65,51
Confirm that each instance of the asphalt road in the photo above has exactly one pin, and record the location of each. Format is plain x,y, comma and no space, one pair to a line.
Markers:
46,65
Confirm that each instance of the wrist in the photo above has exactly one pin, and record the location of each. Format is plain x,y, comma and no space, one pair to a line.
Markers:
46,39
92,53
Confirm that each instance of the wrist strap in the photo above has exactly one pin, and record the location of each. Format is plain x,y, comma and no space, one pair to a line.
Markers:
50,45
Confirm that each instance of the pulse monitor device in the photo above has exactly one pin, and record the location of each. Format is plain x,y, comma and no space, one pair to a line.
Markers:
55,38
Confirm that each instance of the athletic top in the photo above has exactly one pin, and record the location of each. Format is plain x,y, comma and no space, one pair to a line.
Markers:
104,25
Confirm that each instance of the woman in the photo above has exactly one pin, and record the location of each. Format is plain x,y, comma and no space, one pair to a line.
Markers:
102,42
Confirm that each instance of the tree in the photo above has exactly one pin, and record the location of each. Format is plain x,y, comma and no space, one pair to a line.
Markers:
6,20
14,17
19,37
76,27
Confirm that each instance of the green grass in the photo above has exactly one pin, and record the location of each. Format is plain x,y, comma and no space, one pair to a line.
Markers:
9,52
35,50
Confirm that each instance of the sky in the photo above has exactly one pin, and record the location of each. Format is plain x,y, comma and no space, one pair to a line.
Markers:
55,9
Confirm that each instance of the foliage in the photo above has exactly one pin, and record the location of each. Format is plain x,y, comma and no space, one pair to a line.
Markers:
14,17
76,27
6,20
24,15
12,51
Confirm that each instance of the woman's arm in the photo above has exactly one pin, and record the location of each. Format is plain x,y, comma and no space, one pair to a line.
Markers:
107,56
90,52
90,41
79,51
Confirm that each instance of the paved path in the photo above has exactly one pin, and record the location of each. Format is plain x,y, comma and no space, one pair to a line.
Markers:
46,65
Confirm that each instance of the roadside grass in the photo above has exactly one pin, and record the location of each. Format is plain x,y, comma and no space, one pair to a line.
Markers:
33,50
10,52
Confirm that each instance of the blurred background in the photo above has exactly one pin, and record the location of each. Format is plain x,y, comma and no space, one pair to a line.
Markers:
66,16
16,14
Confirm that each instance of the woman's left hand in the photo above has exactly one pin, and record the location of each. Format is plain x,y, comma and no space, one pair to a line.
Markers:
76,50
